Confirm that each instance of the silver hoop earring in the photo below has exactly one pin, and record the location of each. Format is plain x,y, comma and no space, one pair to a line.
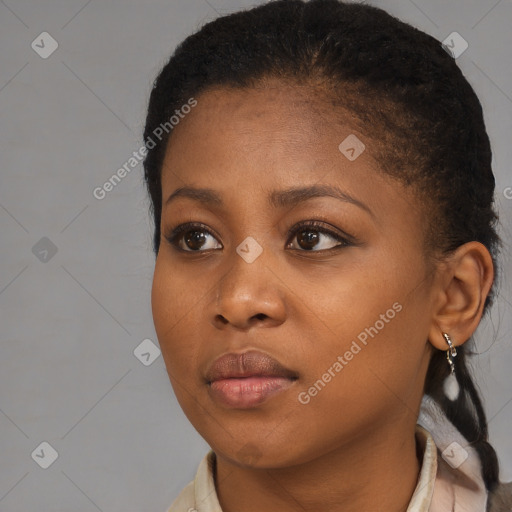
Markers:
451,386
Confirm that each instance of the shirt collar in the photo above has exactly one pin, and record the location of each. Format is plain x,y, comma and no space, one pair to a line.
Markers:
422,495
459,483
205,495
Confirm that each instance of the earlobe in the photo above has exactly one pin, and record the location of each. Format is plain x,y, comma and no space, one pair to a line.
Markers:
467,280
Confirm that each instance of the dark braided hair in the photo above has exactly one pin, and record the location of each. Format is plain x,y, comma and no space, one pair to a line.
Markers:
407,94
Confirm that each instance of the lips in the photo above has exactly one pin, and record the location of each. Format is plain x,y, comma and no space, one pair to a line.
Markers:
247,364
248,379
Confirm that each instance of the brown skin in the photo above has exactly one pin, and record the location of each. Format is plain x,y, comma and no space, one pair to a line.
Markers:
352,447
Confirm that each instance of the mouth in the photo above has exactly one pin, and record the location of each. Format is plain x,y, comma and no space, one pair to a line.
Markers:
248,379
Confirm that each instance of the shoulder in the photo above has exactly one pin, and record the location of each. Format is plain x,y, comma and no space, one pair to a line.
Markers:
500,499
199,495
185,500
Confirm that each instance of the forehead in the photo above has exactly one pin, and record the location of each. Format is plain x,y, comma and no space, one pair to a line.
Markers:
261,110
277,127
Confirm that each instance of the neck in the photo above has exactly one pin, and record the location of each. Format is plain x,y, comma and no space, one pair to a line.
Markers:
381,469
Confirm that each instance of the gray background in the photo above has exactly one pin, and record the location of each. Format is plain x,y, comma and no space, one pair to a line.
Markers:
70,321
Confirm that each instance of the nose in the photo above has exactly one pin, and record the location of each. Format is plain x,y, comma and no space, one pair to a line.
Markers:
249,294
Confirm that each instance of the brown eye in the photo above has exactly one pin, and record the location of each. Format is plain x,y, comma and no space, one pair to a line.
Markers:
313,237
308,239
193,238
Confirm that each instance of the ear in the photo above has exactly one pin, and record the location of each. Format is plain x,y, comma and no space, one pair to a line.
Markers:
465,281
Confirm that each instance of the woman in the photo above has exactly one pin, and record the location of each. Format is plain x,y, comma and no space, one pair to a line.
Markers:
321,185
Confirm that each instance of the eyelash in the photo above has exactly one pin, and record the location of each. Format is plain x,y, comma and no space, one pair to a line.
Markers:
174,236
319,226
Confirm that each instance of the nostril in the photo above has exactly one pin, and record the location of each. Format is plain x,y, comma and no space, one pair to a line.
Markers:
222,319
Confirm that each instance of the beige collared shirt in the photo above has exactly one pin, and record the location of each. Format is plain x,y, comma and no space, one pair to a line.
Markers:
448,480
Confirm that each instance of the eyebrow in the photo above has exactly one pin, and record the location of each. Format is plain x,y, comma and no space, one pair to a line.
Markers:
277,198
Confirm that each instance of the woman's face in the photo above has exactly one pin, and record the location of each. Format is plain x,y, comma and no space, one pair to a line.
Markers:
344,305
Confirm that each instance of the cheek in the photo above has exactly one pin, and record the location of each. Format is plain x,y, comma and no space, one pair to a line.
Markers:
173,304
373,314
352,296
353,384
